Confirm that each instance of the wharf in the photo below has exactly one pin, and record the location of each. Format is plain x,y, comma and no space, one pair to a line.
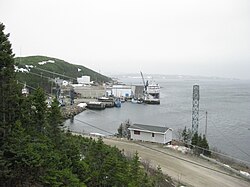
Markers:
96,105
109,102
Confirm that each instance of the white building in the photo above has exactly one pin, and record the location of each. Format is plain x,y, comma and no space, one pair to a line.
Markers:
61,82
119,91
83,80
58,81
151,133
65,83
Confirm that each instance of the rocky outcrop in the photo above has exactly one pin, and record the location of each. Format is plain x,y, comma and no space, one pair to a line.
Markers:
71,110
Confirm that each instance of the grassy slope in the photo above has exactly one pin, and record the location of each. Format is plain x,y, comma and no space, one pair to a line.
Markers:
59,66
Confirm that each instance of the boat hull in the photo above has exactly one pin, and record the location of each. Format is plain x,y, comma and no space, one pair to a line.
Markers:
96,105
152,101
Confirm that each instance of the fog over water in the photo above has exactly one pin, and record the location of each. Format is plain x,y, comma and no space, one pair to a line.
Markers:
191,37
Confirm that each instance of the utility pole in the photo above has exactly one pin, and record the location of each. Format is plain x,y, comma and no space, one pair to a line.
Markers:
195,109
206,126
51,87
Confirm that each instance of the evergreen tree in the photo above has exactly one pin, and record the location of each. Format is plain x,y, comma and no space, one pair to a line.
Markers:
8,87
199,141
39,110
15,156
204,144
120,131
200,145
55,122
34,151
194,143
189,134
195,138
135,170
123,131
199,148
159,177
9,99
185,135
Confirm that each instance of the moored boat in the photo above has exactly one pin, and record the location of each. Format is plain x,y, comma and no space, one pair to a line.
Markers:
133,100
118,103
95,105
151,92
108,101
122,99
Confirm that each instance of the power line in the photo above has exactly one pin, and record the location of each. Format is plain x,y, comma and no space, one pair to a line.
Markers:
185,160
55,73
179,158
119,121
201,117
42,76
178,124
94,126
110,120
153,148
218,153
229,140
33,87
112,133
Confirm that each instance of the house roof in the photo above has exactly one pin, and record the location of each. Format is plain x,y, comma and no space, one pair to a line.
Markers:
149,128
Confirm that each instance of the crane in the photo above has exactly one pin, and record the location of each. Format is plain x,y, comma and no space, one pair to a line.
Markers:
145,86
143,81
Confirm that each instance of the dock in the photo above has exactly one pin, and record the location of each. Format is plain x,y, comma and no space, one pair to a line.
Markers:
96,105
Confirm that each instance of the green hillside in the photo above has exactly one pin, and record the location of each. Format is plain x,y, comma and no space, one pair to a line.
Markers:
46,68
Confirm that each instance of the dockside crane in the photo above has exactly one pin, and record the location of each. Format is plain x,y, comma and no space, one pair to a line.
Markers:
143,80
145,84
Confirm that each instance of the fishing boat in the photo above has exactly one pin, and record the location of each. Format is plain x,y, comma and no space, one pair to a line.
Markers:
137,101
108,101
122,99
118,103
140,101
133,100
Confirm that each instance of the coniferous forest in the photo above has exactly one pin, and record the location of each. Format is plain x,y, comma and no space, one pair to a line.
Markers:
35,150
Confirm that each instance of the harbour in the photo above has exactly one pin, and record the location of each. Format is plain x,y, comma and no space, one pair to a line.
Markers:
103,93
227,123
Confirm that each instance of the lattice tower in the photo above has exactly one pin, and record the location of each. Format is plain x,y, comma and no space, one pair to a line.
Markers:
195,109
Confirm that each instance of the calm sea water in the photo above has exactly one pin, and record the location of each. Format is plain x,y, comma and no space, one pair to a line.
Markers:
226,101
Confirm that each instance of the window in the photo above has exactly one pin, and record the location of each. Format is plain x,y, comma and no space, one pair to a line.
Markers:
137,132
153,134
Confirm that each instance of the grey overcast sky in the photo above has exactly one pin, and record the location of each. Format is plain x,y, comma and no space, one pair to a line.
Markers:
189,37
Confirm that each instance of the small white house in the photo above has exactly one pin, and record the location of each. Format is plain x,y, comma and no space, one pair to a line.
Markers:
65,83
151,133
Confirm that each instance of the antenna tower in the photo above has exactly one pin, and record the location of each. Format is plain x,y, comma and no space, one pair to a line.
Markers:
195,109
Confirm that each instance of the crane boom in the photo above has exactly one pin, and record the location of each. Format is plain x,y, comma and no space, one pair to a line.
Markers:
143,80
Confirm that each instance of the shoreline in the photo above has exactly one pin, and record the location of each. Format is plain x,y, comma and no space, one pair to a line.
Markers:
70,111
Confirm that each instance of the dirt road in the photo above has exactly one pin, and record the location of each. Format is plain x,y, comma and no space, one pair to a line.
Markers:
187,172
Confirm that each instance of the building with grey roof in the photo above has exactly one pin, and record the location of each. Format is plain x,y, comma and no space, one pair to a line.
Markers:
151,133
